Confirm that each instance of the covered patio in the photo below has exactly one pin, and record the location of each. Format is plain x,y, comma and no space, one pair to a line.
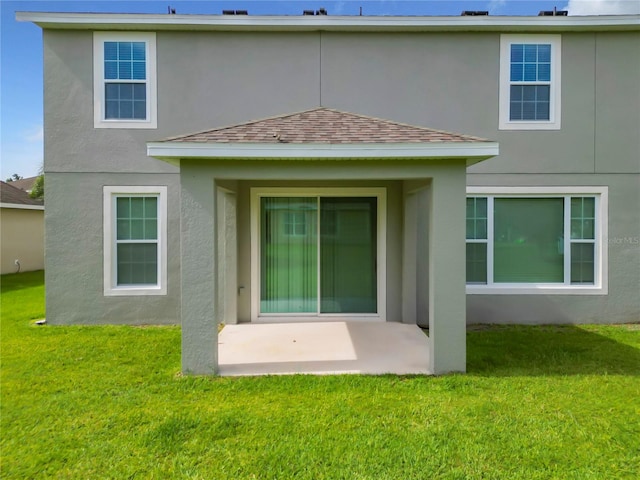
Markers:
332,181
320,348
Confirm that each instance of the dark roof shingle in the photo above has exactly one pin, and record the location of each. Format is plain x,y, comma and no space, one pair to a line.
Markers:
11,194
25,184
324,126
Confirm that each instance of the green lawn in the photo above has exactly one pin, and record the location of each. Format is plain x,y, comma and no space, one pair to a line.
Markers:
108,402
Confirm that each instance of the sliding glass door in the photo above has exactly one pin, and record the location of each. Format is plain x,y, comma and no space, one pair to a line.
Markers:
318,255
288,255
348,250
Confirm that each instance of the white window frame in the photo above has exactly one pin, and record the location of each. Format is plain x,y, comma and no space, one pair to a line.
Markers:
600,285
99,110
110,194
379,192
555,102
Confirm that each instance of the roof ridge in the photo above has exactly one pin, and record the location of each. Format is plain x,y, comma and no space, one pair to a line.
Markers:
243,124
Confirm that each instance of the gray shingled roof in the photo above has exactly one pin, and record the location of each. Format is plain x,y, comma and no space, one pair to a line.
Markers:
10,194
324,126
25,184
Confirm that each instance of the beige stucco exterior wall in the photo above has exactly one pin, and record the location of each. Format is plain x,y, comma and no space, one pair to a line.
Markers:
22,239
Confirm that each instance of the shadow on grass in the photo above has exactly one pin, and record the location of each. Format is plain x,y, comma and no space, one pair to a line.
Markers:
548,350
19,281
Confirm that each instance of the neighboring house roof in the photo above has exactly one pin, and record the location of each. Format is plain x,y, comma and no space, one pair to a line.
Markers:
25,184
324,125
12,197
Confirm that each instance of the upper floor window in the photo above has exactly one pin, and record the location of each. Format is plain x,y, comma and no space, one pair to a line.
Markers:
124,80
530,82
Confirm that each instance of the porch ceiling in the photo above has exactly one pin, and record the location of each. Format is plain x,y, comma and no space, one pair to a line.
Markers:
323,133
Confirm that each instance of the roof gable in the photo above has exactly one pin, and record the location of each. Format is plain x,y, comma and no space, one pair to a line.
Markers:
25,184
12,195
324,126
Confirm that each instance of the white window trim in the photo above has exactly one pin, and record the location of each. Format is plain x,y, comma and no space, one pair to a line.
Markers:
505,83
109,228
99,120
379,192
600,286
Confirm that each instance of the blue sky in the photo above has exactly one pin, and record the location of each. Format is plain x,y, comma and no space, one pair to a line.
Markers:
21,47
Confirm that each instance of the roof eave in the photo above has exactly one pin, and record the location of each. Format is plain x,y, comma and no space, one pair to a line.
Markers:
173,152
21,206
129,21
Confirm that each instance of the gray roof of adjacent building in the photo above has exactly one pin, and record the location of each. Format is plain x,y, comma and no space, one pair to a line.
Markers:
10,195
25,184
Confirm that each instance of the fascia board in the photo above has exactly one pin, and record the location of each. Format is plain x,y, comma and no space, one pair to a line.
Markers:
177,150
21,206
111,21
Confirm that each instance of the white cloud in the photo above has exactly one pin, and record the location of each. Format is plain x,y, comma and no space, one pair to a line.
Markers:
339,9
35,136
603,7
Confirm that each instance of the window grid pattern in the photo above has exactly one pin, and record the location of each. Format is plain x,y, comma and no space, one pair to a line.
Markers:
125,74
295,224
136,240
583,224
476,218
580,231
125,61
530,77
477,221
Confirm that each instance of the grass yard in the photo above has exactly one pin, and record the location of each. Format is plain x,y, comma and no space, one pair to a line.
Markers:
108,402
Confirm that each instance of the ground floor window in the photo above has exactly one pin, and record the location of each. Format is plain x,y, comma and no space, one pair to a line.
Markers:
318,254
535,238
135,240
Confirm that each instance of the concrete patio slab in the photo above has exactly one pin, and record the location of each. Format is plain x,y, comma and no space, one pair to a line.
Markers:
322,348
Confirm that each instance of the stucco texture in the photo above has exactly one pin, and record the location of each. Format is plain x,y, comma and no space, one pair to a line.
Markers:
442,80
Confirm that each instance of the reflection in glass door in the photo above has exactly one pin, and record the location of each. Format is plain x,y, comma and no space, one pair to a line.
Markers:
318,255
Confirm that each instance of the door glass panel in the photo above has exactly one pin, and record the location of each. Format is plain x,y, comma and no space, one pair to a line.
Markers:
289,255
348,250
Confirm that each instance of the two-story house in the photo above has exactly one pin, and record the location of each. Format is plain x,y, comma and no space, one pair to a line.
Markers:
324,179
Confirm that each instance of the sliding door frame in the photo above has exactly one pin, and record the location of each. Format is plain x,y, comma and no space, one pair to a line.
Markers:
381,274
